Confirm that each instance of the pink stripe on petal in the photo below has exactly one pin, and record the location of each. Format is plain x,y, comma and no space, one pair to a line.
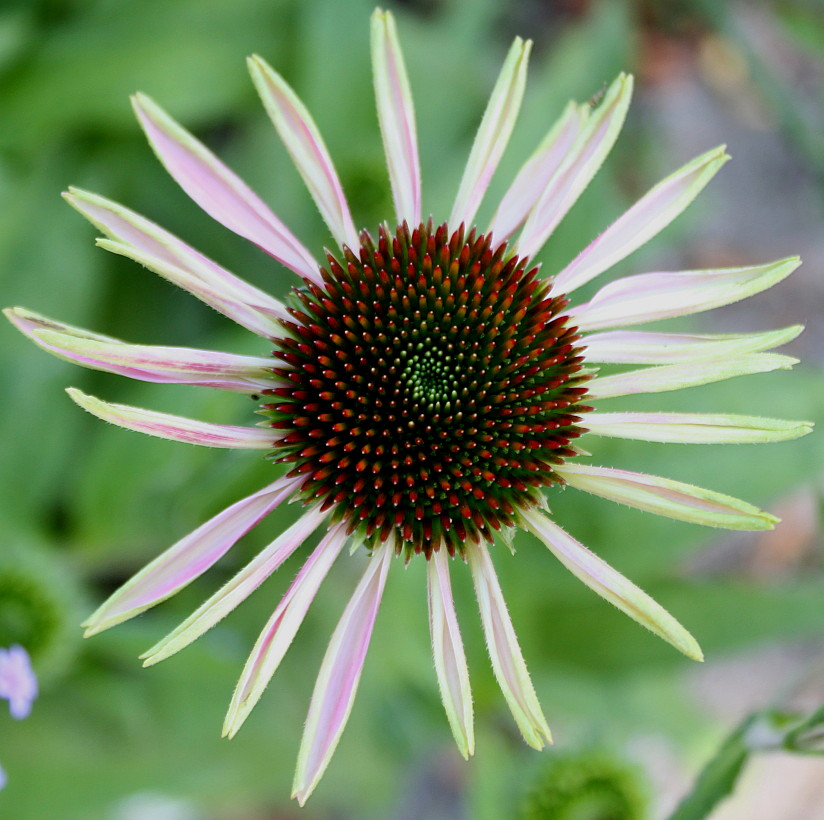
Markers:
236,590
281,628
176,428
493,133
504,651
305,145
537,171
396,115
219,191
610,584
448,652
339,676
648,297
646,218
189,557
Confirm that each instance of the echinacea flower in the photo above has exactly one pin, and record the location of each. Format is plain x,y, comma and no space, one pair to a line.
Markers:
427,382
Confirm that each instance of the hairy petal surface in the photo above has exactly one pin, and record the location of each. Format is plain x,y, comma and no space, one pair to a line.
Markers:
610,584
280,630
219,191
650,215
176,428
236,590
493,133
396,115
448,652
504,651
666,497
339,676
305,145
695,428
188,558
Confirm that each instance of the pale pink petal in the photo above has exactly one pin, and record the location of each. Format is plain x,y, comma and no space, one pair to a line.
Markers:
189,557
695,428
646,218
281,628
690,374
666,497
236,590
610,584
173,365
493,133
582,162
18,684
305,145
448,652
176,428
536,173
339,676
642,347
504,651
649,297
396,115
220,192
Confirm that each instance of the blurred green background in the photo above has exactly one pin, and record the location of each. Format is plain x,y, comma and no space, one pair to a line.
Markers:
83,505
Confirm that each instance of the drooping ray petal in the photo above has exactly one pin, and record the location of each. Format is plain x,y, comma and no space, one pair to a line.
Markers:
396,115
647,217
643,347
583,161
236,590
493,133
691,374
339,676
174,365
280,630
448,651
610,584
176,428
305,145
219,191
537,171
188,558
695,428
672,499
648,297
224,302
504,651
130,228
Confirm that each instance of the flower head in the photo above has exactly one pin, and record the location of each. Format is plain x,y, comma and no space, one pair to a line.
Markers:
18,685
428,381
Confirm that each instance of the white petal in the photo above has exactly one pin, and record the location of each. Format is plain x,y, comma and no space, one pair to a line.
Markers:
219,191
648,297
188,558
302,139
695,428
504,651
642,347
281,628
448,652
236,590
339,676
666,497
610,584
537,171
493,133
582,163
646,218
396,115
678,376
176,428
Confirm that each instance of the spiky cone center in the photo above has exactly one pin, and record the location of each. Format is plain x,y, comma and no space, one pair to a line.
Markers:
433,385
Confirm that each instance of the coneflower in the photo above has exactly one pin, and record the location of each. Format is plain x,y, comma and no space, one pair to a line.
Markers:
427,381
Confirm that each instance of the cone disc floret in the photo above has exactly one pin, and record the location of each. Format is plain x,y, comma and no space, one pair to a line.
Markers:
430,387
